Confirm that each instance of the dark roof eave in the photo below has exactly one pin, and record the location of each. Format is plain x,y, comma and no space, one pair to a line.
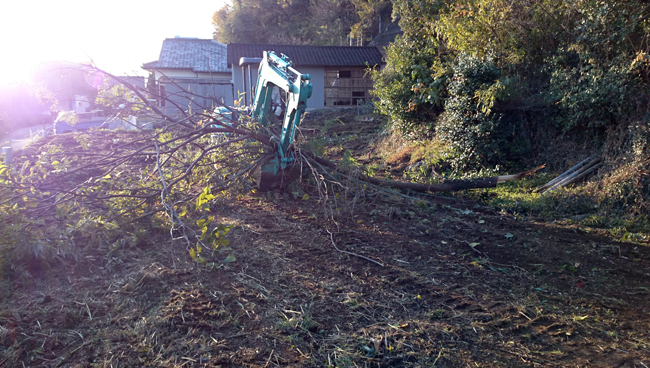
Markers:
150,65
305,55
147,66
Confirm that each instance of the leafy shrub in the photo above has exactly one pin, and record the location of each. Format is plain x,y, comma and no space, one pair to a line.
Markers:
474,134
589,94
411,89
627,187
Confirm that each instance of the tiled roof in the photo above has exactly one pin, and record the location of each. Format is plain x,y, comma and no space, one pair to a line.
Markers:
199,55
309,55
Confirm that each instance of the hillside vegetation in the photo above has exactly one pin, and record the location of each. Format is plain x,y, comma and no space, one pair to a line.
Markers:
475,87
491,85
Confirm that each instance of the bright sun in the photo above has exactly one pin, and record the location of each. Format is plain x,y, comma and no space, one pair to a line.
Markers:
118,36
35,34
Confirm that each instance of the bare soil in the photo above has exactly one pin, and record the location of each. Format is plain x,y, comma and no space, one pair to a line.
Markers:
386,282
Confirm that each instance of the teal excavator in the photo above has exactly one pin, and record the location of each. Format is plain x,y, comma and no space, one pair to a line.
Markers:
277,72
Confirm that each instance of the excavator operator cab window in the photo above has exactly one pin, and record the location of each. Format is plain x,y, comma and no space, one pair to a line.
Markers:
278,105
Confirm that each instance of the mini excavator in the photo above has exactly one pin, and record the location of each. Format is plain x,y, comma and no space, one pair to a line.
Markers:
277,71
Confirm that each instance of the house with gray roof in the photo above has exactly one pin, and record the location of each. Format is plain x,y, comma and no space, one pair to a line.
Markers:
338,73
194,73
191,73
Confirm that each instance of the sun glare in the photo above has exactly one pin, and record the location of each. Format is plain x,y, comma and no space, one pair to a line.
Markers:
118,36
32,35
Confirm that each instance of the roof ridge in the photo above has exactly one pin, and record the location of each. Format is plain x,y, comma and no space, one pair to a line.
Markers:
282,45
188,39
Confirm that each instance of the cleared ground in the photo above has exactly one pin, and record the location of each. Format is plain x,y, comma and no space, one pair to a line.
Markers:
385,282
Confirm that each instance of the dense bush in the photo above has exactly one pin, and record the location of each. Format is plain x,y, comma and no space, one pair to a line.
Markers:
475,134
589,95
586,63
542,81
411,90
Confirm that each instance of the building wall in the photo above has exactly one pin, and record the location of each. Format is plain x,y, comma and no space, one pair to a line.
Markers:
196,97
81,104
189,91
317,75
242,93
332,86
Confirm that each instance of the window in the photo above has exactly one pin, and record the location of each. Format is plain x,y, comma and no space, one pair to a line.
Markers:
346,87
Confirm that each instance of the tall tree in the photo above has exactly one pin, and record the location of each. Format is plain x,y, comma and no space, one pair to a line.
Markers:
480,65
316,22
371,13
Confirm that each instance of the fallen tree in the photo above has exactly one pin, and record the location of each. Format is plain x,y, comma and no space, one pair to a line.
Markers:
447,186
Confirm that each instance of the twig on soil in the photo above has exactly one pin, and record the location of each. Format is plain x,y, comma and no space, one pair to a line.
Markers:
523,314
471,247
453,185
90,316
269,359
438,357
352,178
72,352
169,207
350,253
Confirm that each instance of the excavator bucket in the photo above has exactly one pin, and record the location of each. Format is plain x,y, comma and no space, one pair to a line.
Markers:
269,176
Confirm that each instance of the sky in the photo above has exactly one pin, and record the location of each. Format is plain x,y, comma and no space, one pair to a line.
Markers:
117,35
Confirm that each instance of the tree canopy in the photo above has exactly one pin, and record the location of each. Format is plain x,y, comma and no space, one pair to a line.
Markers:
490,72
320,22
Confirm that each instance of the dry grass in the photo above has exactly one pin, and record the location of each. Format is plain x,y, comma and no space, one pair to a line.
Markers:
388,144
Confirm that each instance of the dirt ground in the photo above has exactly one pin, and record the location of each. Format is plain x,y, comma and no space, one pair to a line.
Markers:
386,282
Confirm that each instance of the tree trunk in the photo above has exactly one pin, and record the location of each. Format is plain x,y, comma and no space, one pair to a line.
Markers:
448,186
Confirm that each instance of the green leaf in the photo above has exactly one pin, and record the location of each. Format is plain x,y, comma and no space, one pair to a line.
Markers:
229,259
30,203
205,197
